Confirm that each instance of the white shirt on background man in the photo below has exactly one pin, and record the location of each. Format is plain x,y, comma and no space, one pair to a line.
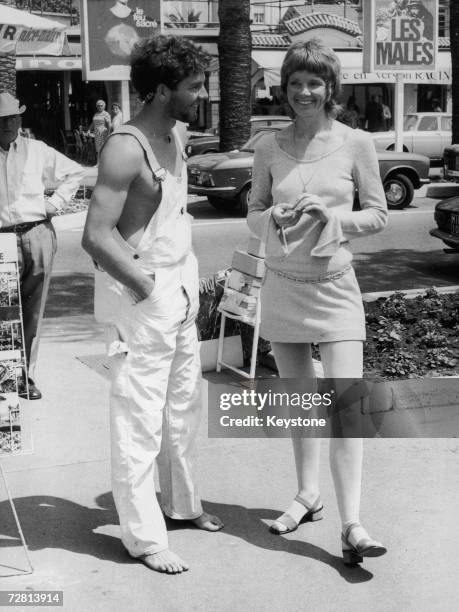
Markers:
26,169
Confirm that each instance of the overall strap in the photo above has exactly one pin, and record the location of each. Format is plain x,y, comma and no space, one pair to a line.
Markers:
159,173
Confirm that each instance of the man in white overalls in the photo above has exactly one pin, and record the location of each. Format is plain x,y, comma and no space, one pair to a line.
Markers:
138,232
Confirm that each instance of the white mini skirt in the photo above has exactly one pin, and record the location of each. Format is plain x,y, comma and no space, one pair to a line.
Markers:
326,309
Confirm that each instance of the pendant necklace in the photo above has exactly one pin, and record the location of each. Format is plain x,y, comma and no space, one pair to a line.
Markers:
317,159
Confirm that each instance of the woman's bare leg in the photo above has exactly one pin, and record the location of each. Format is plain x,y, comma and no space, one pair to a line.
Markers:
294,360
345,360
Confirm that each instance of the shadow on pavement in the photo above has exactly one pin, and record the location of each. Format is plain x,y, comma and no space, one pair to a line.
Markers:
53,522
405,268
70,295
249,525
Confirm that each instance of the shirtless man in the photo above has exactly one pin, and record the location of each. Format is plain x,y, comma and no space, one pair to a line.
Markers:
139,234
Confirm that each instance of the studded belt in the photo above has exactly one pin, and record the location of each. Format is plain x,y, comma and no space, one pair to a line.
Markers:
325,278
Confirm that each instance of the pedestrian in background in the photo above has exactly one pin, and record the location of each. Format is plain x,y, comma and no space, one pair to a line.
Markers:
304,182
100,126
436,108
26,166
117,116
351,114
386,113
374,115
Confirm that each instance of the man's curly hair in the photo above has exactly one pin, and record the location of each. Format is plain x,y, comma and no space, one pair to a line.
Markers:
164,59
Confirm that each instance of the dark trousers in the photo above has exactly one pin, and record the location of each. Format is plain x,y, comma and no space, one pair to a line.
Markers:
36,250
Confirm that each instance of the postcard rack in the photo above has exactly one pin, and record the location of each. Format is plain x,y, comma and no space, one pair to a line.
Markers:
13,369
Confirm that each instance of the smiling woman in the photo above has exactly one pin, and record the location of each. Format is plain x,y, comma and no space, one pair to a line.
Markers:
304,181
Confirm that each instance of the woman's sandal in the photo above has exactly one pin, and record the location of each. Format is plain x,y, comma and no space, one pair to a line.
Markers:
313,513
365,547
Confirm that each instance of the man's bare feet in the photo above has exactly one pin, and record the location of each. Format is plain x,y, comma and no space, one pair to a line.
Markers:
208,522
165,561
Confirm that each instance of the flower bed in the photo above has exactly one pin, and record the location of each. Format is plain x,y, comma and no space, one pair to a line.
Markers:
412,337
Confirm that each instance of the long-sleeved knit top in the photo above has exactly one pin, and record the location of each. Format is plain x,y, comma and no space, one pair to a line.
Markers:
348,162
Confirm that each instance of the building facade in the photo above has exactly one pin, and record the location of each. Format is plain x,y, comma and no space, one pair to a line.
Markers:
59,99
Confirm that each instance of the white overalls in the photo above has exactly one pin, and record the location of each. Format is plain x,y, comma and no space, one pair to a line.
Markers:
155,397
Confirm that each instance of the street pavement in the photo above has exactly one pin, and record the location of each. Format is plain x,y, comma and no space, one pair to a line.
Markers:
63,500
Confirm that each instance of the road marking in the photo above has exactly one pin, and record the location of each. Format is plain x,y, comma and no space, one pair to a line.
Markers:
222,222
411,212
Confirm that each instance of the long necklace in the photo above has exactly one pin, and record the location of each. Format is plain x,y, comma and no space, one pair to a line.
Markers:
303,182
317,159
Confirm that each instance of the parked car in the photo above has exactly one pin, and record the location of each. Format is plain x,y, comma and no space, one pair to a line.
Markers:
226,178
210,143
447,211
424,133
447,218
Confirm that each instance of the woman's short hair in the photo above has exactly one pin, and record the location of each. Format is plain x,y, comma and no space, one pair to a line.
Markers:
164,59
100,102
317,58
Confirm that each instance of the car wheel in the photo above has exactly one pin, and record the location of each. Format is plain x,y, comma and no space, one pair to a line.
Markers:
399,191
243,201
452,245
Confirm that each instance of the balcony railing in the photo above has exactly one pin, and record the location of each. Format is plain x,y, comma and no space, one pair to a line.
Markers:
185,15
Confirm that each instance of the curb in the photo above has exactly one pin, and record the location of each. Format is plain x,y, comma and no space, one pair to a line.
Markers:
408,293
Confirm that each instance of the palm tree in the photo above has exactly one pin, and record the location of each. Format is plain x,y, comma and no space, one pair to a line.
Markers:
8,65
8,72
454,44
234,50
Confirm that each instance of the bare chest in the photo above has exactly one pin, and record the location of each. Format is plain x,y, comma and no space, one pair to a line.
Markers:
145,193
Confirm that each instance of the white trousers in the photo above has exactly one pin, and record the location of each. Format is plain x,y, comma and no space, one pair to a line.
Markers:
155,406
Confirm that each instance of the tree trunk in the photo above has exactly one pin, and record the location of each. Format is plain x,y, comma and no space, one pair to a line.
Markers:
454,38
235,57
8,73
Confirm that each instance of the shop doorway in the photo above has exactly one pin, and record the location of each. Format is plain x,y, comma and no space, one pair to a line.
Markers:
362,94
83,96
432,98
42,93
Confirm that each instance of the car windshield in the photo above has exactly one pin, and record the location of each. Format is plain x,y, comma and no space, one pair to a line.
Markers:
252,142
409,122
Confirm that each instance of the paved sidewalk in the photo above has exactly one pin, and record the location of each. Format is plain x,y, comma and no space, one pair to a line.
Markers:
62,494
63,499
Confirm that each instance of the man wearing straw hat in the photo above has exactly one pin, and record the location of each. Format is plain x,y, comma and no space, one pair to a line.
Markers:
25,166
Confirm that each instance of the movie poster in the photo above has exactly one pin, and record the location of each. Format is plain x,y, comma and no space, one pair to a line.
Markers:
400,35
110,30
